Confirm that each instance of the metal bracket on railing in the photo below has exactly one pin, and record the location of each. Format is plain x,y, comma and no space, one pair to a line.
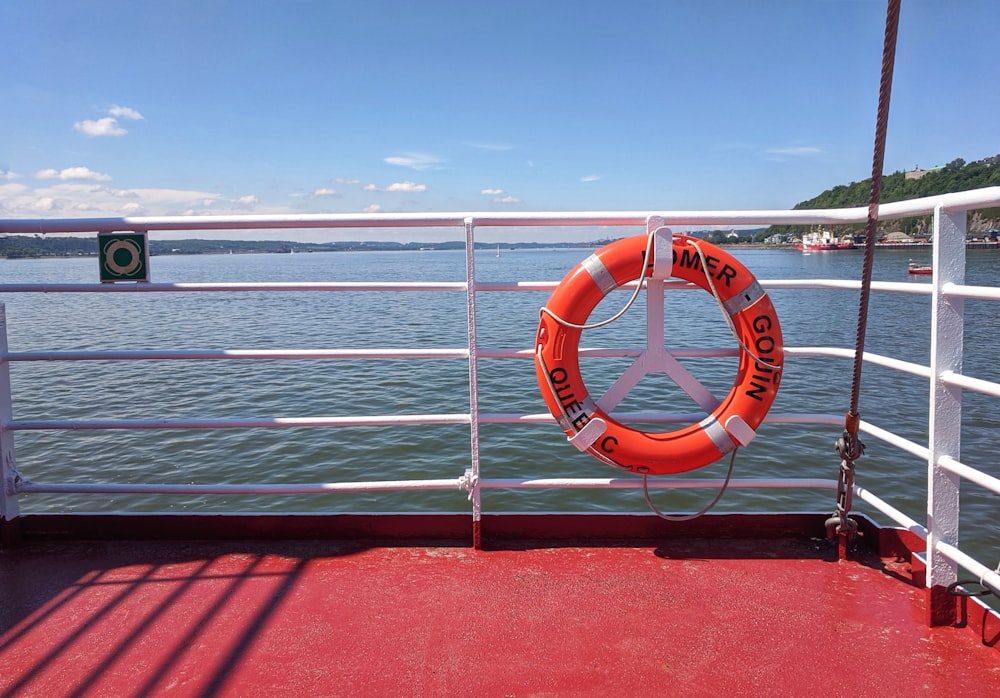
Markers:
468,482
663,247
963,587
13,482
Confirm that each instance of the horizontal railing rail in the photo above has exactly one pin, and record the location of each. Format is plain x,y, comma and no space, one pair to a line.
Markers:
463,482
948,293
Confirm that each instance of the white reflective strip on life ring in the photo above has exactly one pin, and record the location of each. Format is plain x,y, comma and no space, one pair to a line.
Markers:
591,432
718,434
744,299
600,274
586,406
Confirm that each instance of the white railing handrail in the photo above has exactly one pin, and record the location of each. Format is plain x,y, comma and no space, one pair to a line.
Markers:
238,287
461,483
386,420
948,290
225,354
356,286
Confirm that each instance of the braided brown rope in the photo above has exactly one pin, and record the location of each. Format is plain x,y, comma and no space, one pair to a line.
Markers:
849,445
881,125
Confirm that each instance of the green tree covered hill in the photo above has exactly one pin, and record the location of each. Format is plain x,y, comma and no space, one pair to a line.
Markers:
957,175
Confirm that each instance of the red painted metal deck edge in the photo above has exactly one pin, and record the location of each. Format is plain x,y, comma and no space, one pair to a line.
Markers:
453,529
667,614
445,529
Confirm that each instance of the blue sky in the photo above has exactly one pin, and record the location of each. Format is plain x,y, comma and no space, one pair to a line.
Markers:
115,108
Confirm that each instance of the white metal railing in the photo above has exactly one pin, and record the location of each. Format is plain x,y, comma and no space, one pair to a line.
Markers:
947,293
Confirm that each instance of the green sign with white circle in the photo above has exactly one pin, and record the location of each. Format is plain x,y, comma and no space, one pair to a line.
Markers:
123,256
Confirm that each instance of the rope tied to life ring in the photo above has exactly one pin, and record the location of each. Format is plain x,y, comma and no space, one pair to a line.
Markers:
731,422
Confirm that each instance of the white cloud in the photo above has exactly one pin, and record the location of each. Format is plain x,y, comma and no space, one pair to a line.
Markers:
491,146
373,208
8,192
325,191
12,189
162,197
507,200
108,126
44,204
117,193
341,180
73,173
98,200
407,187
369,187
415,161
590,178
491,192
798,151
248,200
7,175
120,112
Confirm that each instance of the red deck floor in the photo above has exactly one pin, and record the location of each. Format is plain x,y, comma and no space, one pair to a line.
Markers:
312,618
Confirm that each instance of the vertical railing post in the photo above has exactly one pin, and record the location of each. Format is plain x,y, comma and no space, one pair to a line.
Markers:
8,466
945,414
470,280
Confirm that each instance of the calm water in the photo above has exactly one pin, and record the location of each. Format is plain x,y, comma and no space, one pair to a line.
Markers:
89,390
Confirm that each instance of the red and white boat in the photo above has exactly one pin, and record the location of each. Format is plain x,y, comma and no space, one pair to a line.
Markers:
825,240
918,268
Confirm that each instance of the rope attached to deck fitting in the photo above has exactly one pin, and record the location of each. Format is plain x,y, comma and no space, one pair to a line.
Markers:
849,445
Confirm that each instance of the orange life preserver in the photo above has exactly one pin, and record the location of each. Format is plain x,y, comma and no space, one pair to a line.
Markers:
731,424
